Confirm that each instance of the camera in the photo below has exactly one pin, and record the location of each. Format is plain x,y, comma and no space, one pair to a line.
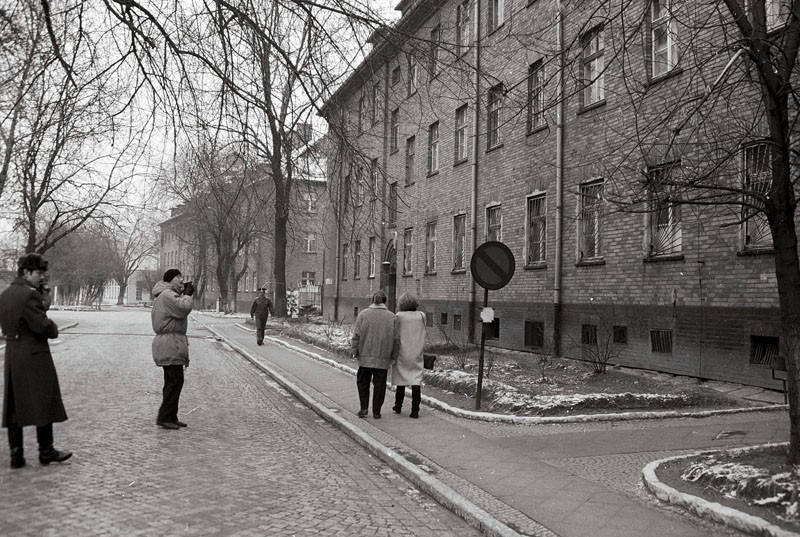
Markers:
188,288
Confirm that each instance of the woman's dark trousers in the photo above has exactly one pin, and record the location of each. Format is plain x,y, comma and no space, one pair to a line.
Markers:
173,384
378,378
400,394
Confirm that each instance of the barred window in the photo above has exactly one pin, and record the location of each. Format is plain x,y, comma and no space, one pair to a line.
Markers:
591,214
537,229
661,341
757,183
535,96
666,233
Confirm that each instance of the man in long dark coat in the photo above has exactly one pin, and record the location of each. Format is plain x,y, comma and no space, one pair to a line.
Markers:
261,310
32,395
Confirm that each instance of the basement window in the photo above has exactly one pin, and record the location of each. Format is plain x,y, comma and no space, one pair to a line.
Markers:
661,341
763,349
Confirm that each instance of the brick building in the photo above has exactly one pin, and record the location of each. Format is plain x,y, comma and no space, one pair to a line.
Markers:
557,134
183,245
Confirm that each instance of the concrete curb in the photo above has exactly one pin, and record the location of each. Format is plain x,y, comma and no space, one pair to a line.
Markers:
537,420
711,510
440,492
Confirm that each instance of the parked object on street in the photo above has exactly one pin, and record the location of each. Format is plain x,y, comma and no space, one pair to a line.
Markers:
373,343
408,359
32,394
171,308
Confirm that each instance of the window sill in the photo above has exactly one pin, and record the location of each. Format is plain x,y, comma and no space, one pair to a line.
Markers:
654,81
591,262
371,277
751,252
494,148
537,129
458,271
536,266
408,275
433,273
409,183
594,106
460,162
663,258
356,278
393,150
431,174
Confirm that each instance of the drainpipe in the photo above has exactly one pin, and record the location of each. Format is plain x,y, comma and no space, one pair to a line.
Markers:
474,166
559,182
338,215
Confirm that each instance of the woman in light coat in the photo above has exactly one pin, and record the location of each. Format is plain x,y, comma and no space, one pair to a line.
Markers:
407,367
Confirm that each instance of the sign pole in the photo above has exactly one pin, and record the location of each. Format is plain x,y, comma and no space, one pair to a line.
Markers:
480,358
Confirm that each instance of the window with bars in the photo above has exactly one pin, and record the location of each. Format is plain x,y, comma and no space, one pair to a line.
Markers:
756,164
411,151
394,133
460,135
534,334
393,204
463,26
372,258
443,319
763,349
535,96
589,334
591,213
430,248
661,341
593,65
408,250
357,259
494,116
666,234
663,28
433,148
537,229
494,223
459,240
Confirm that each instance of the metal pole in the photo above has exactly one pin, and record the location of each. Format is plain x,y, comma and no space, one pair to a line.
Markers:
480,359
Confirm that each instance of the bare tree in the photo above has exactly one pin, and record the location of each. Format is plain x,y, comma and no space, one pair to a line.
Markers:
131,243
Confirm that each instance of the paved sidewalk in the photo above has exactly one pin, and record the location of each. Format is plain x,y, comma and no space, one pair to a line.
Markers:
566,480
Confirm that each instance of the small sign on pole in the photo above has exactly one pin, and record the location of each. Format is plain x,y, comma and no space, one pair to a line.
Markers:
492,266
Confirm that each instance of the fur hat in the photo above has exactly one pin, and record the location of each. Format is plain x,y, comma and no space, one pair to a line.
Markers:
31,261
170,274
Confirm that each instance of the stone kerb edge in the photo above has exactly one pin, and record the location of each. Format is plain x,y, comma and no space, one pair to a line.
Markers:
443,494
711,510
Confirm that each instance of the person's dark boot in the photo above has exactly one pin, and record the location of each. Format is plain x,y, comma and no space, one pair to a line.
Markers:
50,454
17,458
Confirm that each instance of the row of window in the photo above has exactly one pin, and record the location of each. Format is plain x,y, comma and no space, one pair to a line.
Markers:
664,232
357,254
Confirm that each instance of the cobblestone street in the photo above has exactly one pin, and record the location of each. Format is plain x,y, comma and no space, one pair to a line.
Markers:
252,461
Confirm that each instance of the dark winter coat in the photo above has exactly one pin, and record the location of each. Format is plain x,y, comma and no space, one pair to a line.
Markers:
32,395
169,315
261,308
375,337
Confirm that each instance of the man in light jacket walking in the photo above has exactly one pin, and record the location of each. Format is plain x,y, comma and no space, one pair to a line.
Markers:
374,339
171,307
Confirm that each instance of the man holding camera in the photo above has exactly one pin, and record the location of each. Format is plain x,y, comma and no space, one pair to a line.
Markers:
171,307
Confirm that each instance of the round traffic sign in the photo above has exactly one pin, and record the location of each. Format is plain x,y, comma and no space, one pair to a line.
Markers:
492,265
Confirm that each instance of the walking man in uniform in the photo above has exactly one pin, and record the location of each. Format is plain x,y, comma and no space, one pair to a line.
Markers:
260,311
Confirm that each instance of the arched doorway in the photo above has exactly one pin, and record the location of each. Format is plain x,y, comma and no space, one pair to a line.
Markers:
389,276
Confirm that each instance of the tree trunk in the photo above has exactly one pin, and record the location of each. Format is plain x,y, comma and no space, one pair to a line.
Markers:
279,269
123,286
